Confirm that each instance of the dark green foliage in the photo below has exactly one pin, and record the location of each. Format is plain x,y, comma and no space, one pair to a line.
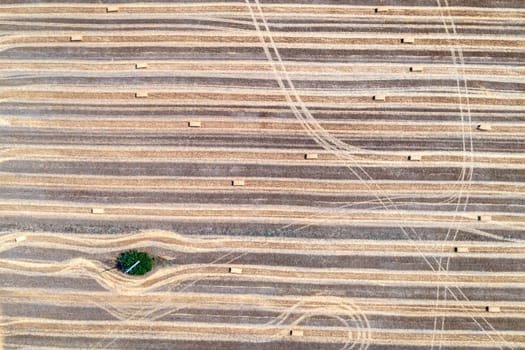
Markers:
127,259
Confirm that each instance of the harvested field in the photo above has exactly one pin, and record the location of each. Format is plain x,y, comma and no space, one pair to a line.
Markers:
310,174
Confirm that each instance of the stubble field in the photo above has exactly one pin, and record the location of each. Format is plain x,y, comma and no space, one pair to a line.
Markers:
377,152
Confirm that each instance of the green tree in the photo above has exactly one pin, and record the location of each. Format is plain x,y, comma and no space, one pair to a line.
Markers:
127,259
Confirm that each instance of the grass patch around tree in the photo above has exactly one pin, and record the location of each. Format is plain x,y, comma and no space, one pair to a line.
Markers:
127,259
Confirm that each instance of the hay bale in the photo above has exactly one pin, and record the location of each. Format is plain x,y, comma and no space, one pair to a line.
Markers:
296,332
112,9
416,69
414,157
194,124
141,94
97,210
20,239
235,270
76,38
379,97
461,249
141,65
484,217
311,156
382,9
238,182
408,40
484,127
493,309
